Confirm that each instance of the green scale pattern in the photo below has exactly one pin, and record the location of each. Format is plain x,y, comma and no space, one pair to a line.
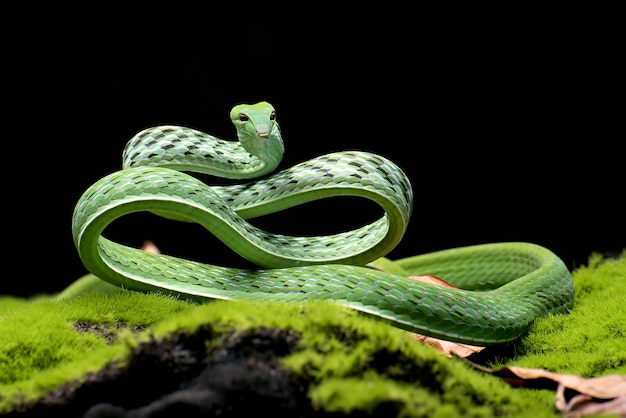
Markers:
171,145
362,174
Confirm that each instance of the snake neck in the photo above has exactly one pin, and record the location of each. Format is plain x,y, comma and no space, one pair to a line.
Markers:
266,150
258,152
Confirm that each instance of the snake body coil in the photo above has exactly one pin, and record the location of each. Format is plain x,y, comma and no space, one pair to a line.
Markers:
503,287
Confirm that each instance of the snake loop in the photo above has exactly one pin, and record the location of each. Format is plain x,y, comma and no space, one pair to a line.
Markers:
503,286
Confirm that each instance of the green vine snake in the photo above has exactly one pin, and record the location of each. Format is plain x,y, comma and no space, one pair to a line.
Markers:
501,287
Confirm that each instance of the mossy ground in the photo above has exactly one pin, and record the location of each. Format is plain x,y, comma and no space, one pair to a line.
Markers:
311,359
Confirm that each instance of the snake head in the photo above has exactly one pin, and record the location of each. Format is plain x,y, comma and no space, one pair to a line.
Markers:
258,131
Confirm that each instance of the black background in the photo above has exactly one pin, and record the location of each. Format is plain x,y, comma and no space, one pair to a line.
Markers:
504,117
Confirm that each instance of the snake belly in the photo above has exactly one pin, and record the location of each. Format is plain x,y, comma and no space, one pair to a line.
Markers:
502,287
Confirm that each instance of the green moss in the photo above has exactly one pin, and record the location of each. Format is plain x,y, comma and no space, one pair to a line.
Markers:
45,350
9,304
361,365
590,340
352,362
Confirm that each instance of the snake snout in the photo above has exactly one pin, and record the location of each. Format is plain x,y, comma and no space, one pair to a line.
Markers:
263,130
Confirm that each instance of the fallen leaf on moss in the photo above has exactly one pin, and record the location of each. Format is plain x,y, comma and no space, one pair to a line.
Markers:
585,405
449,348
576,396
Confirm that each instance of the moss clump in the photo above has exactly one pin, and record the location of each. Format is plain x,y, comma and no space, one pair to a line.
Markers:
351,364
343,363
590,340
44,349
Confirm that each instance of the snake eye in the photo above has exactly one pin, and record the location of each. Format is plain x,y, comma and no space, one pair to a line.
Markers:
273,116
243,118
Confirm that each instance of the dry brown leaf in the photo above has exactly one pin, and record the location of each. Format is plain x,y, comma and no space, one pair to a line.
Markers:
576,396
449,348
428,278
599,395
150,247
585,405
603,387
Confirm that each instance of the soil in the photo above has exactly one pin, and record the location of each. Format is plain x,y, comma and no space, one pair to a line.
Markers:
179,376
